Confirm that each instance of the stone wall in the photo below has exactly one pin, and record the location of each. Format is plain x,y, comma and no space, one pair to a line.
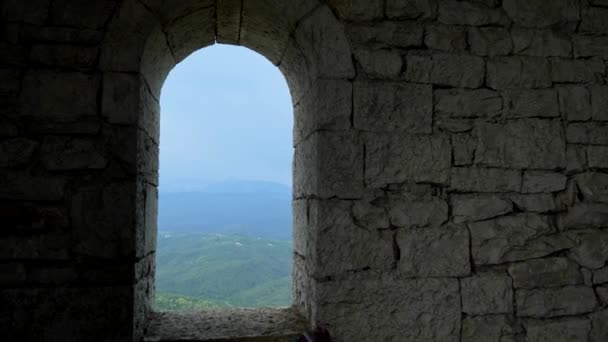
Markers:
450,173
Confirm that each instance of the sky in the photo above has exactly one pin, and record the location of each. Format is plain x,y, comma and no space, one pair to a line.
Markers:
226,114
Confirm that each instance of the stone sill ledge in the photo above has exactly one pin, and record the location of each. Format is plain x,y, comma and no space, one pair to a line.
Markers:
242,325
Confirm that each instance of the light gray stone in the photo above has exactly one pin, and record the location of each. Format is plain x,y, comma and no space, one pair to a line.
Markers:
595,133
463,103
594,20
489,329
578,71
542,13
599,102
518,72
454,12
445,37
411,9
512,238
191,32
59,153
552,302
15,152
370,214
388,34
590,249
485,180
590,46
524,143
381,64
575,103
456,70
466,208
396,159
598,156
593,186
542,43
572,329
463,149
599,328
434,252
487,293
547,272
490,41
537,203
542,181
522,103
392,106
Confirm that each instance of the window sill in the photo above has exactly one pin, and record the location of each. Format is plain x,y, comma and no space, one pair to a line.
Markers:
243,325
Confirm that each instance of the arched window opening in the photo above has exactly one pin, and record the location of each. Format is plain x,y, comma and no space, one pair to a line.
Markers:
224,224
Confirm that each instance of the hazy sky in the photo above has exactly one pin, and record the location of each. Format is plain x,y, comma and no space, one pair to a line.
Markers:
226,113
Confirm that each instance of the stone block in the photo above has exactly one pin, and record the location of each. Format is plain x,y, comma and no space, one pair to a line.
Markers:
17,151
228,21
463,149
575,103
576,158
546,272
296,71
485,180
26,218
590,46
329,164
525,143
63,153
585,215
593,186
518,72
542,13
119,106
599,328
541,43
599,103
489,328
487,293
467,208
191,32
536,203
578,71
490,41
598,156
454,12
571,329
541,181
392,106
446,37
552,302
524,103
455,70
434,252
387,34
602,294
379,64
59,96
358,10
396,159
82,15
267,32
464,103
417,211
20,185
600,276
590,247
370,214
593,20
411,9
511,238
593,133
64,55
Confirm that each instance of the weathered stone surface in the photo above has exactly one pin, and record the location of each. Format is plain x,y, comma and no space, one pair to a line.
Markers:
538,203
541,181
578,71
490,41
411,9
83,15
599,103
117,106
598,156
542,13
518,72
600,276
593,186
599,328
228,25
587,133
463,149
456,70
387,34
15,152
487,293
381,64
575,103
438,298
522,103
60,96
590,46
67,56
267,32
60,153
525,143
358,10
396,159
192,32
485,180
542,43
551,302
594,20
416,211
24,186
571,329
586,215
602,294
463,103
469,13
445,38
512,238
547,272
590,248
434,252
466,208
392,106
576,158
489,328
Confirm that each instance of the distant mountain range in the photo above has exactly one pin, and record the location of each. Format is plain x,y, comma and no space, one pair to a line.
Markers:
249,208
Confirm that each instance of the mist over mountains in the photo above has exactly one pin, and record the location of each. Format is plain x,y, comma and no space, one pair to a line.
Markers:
248,208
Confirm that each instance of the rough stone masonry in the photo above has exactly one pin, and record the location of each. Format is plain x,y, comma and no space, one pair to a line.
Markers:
450,174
